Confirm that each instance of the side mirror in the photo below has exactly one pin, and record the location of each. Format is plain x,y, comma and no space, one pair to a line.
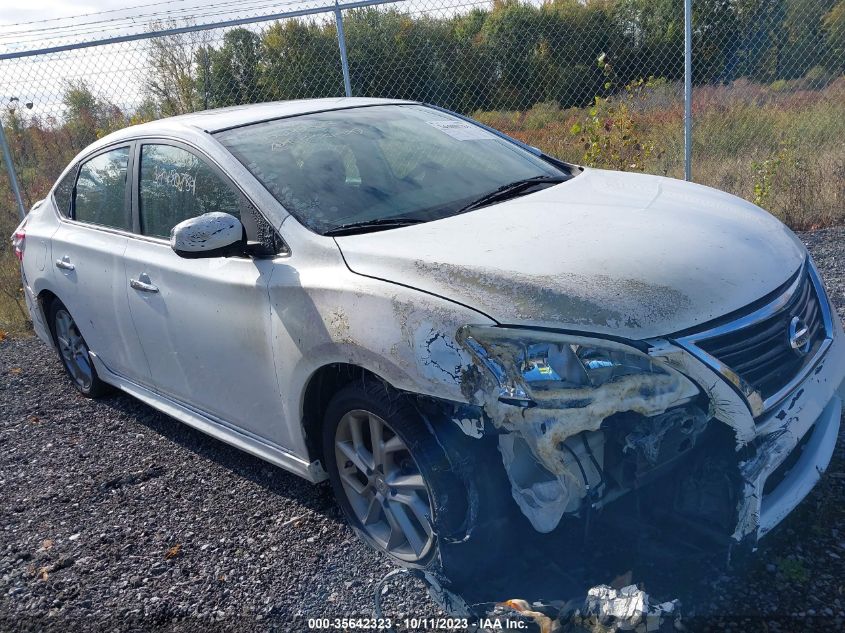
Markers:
209,235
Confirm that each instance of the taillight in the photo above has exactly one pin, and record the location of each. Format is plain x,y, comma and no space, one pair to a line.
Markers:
18,243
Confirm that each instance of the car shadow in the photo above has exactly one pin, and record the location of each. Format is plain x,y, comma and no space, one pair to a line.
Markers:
275,480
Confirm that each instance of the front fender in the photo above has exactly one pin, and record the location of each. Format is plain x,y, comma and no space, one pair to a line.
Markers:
328,316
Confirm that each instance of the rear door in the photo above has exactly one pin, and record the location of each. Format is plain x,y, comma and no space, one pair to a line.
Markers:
87,253
204,323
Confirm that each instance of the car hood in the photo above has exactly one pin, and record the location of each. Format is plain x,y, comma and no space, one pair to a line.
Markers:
623,254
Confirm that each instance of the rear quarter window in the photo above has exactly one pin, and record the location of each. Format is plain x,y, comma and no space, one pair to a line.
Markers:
64,191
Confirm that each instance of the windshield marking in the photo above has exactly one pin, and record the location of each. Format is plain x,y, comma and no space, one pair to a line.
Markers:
462,131
285,138
180,181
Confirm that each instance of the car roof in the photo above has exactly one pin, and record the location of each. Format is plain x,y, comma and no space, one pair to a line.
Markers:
235,116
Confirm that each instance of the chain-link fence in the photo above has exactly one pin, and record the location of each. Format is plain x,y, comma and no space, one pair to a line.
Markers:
769,105
599,82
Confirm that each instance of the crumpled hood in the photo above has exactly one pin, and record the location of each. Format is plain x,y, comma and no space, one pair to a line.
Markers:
631,255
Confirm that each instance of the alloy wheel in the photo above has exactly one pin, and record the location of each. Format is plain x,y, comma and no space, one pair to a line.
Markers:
74,351
384,486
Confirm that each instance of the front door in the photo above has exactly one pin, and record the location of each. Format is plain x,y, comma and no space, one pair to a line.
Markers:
204,324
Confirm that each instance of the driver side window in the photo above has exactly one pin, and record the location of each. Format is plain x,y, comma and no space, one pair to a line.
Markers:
176,185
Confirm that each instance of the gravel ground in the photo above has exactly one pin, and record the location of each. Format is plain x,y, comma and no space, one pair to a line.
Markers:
117,517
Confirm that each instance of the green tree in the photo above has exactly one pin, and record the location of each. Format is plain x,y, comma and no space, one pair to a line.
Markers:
655,30
467,62
88,117
513,37
230,75
300,59
574,36
172,79
804,43
833,26
395,55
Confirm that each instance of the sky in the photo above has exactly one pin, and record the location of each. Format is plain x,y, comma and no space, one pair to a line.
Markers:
113,72
45,9
32,24
43,14
32,10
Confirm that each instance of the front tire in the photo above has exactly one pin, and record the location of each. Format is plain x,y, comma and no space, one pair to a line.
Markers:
74,353
391,477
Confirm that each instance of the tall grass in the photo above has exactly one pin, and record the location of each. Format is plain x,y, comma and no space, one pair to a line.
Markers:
780,146
13,314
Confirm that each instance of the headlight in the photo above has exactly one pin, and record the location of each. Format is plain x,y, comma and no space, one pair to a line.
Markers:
534,366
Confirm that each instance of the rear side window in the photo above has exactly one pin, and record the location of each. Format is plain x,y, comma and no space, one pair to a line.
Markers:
64,191
177,185
100,196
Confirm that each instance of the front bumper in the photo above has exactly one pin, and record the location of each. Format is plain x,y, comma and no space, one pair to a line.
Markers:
793,446
782,454
813,461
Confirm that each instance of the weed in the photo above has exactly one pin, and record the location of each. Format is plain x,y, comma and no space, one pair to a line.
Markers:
793,570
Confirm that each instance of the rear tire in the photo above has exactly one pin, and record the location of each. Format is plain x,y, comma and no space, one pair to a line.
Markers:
74,353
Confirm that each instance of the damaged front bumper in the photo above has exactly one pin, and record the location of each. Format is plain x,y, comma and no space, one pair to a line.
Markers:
814,444
794,446
784,442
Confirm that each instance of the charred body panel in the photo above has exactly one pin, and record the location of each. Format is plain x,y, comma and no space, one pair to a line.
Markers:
570,449
571,440
609,253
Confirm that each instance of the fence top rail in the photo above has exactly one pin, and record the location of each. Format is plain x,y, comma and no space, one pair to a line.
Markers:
191,28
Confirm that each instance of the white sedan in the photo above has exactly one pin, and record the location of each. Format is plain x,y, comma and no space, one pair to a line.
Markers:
454,328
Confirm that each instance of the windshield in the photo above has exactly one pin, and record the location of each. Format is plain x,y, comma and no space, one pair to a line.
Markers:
381,163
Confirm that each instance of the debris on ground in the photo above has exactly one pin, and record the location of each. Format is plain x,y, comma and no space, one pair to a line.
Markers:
626,609
603,610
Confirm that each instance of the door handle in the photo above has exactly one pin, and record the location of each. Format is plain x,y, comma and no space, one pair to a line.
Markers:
143,283
64,263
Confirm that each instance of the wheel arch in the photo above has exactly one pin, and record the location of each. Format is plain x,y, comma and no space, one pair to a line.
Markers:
44,299
474,511
323,383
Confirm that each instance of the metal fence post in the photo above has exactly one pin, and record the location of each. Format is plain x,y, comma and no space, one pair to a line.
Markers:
341,42
688,89
10,168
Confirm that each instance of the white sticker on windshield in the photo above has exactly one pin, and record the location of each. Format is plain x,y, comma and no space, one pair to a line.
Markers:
462,131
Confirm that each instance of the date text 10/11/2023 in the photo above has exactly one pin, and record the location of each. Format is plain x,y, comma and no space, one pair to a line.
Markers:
416,624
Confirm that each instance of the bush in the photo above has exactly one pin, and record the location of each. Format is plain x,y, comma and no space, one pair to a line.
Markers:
779,148
13,314
611,136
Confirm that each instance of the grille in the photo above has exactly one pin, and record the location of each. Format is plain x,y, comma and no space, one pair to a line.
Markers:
760,353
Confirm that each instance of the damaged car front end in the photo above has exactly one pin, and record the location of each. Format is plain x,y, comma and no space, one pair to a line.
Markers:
786,360
551,395
581,421
572,338
480,346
